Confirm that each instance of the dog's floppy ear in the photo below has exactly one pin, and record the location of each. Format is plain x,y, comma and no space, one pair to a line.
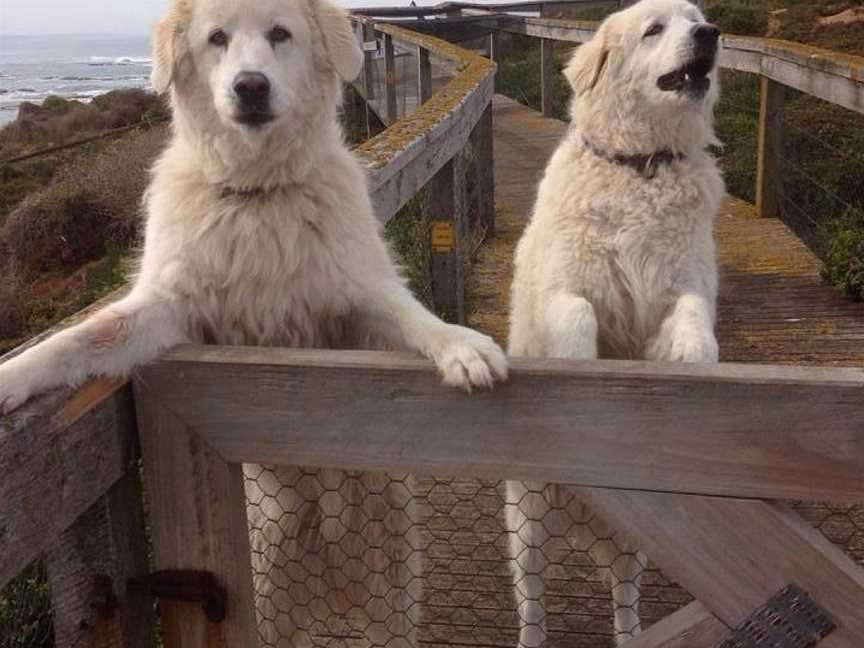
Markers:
587,65
343,51
169,46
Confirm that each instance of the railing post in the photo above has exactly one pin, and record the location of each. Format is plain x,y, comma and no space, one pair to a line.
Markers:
444,204
368,62
424,75
88,569
493,45
547,76
482,145
198,522
769,171
390,78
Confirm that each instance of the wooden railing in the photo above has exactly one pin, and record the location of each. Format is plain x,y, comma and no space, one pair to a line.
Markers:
427,147
680,457
833,77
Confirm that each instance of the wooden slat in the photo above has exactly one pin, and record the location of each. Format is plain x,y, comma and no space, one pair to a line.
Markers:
618,424
769,168
43,447
734,555
108,541
197,522
692,626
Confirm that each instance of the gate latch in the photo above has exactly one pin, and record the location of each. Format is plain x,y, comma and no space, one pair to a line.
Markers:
185,585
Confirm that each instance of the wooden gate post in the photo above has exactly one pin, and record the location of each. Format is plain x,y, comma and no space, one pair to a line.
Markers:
390,78
493,46
88,569
198,521
443,207
769,170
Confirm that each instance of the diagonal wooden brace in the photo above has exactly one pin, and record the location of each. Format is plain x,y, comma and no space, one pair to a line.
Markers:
733,555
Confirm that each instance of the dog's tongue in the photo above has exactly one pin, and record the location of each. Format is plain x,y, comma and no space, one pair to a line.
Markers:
672,80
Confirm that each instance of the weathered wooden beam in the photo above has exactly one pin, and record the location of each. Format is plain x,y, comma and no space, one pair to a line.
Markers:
653,426
547,77
769,168
734,555
44,447
198,521
390,78
692,626
88,569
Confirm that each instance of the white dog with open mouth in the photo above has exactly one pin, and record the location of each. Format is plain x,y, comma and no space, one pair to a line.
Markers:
260,230
618,260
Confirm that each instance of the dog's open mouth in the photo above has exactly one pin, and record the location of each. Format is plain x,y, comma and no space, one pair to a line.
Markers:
691,79
254,119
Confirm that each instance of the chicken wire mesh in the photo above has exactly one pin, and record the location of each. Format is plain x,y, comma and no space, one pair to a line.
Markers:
367,560
25,610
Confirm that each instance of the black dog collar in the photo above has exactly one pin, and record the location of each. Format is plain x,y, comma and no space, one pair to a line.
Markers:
644,164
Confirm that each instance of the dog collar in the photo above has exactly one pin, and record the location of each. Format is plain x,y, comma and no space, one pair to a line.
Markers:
644,164
245,194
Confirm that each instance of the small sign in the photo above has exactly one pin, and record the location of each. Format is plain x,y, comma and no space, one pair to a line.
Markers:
370,46
443,236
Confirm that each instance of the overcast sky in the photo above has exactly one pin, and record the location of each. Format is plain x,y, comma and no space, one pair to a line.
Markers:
100,16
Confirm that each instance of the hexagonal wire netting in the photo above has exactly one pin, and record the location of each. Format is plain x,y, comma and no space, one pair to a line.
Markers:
344,559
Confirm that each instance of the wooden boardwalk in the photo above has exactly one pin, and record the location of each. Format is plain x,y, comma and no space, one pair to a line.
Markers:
773,308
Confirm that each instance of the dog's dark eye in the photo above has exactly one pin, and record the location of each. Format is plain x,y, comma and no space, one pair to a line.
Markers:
653,30
279,35
218,38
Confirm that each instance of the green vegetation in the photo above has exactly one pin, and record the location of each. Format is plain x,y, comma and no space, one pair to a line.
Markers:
823,195
408,234
67,221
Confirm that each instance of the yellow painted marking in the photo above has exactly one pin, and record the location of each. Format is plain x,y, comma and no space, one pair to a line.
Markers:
443,236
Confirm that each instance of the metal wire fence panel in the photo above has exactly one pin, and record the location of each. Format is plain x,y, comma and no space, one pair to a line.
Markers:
350,559
25,610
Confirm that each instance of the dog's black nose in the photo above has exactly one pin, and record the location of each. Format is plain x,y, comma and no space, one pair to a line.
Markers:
706,34
252,88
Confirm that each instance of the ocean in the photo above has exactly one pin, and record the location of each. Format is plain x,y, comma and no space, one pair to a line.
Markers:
71,66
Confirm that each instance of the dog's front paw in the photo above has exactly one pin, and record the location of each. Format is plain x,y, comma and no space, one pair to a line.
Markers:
15,388
469,359
692,346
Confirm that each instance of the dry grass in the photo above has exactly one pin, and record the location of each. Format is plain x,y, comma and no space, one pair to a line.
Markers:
63,245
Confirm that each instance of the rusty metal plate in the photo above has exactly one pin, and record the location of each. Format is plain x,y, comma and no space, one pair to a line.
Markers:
791,619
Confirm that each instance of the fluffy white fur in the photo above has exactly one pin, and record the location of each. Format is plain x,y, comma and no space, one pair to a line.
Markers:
614,264
257,235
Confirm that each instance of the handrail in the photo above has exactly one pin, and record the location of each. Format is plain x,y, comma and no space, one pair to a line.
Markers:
832,76
403,158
